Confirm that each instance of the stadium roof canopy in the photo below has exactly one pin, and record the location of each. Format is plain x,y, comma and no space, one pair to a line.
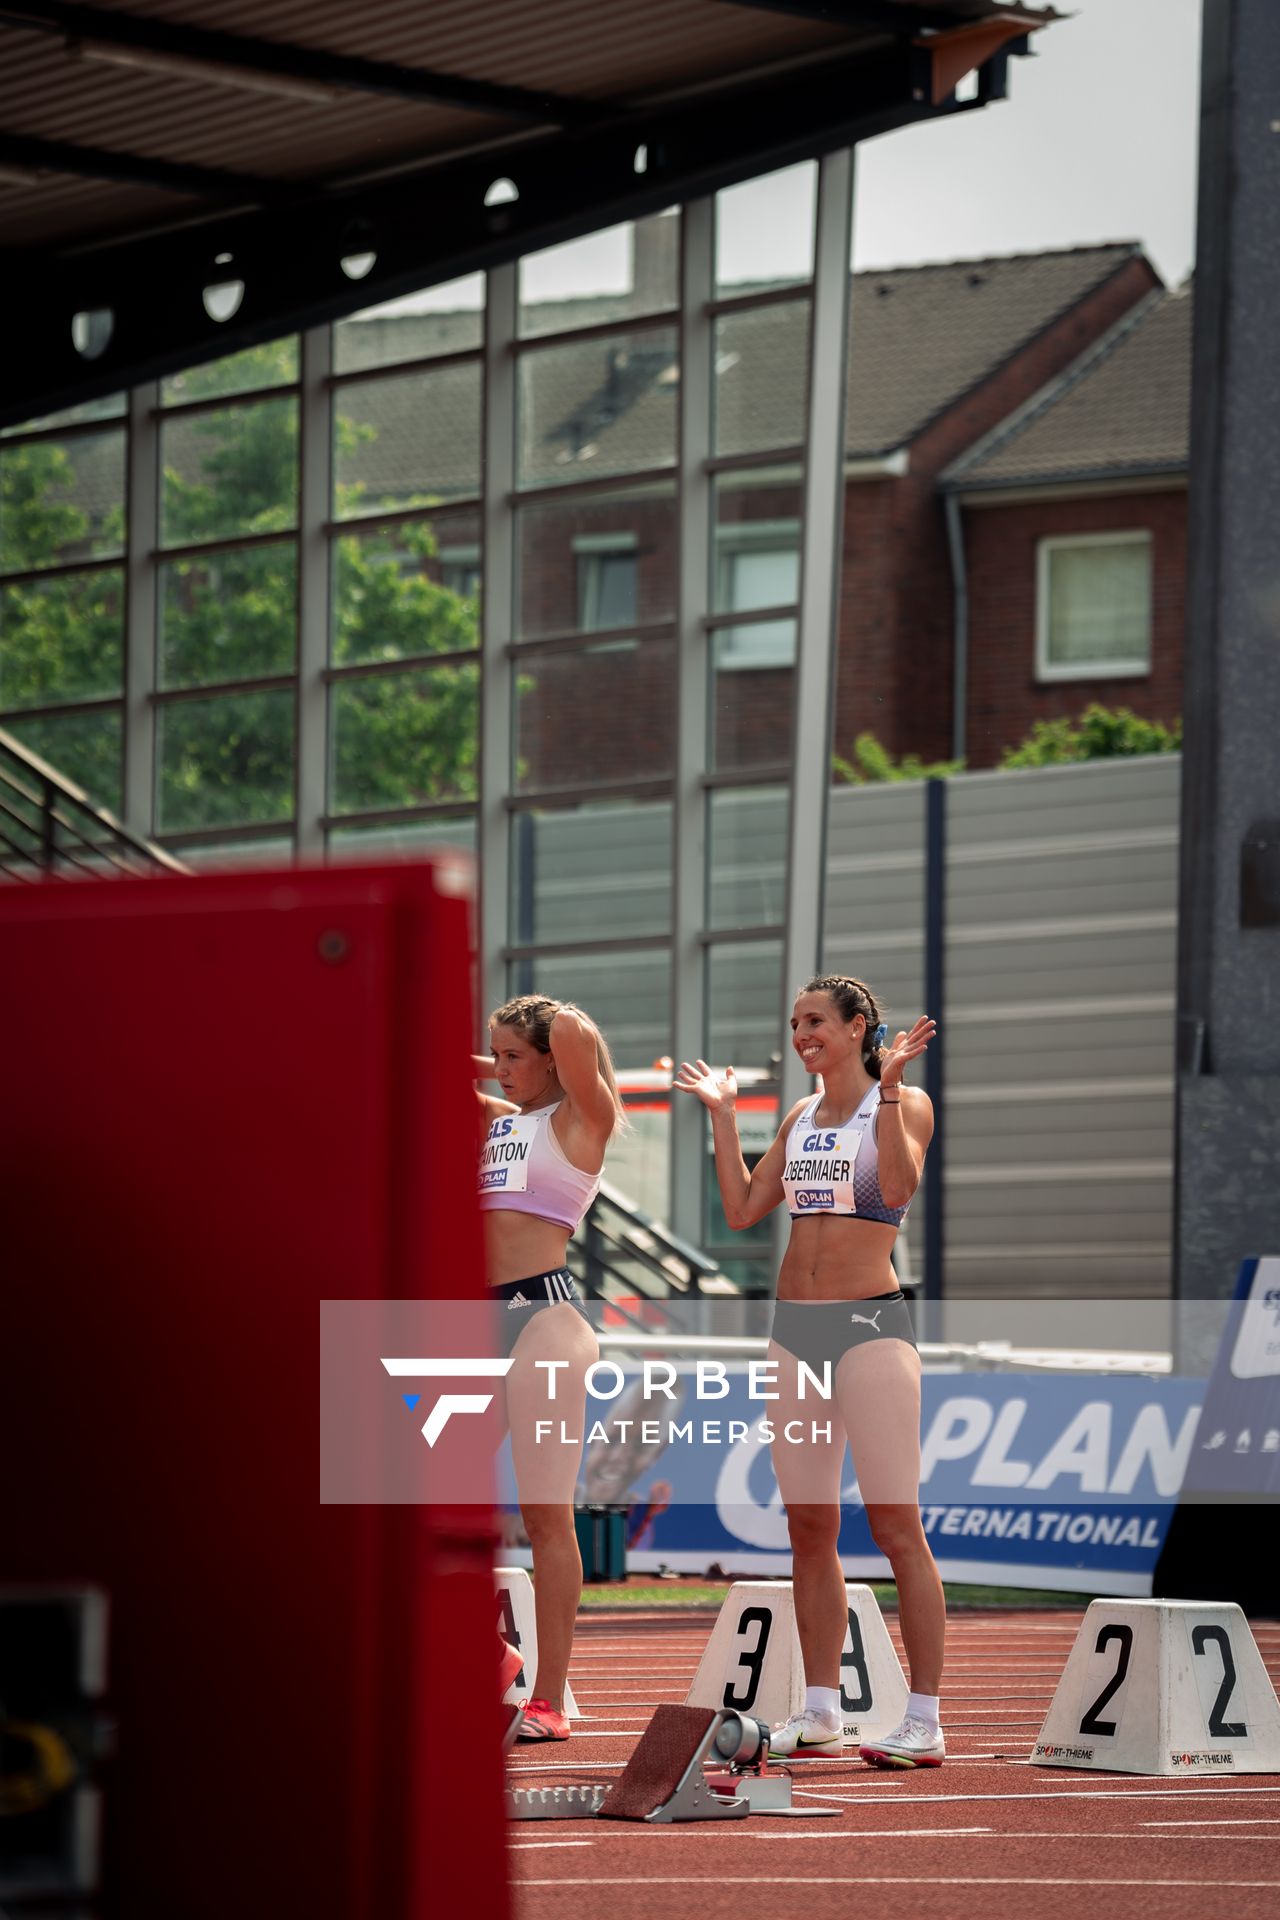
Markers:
151,154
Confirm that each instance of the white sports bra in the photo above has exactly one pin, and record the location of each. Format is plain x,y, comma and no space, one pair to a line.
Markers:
837,1169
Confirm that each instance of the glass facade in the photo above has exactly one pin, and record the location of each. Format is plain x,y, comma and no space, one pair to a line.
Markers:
288,591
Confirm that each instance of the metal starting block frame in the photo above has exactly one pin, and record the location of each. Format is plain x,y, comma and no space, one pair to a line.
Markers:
742,1783
763,1792
554,1803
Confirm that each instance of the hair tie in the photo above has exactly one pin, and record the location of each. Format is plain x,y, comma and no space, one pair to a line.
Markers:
880,1035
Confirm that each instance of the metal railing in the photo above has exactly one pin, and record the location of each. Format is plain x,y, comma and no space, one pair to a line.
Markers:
51,830
621,1253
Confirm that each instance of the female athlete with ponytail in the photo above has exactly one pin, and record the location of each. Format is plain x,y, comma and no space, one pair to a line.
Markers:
540,1168
846,1162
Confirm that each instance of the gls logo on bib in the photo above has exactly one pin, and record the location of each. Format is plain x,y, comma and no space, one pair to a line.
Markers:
504,1163
818,1142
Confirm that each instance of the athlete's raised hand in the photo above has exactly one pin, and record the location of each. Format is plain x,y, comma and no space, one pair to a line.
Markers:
718,1095
906,1046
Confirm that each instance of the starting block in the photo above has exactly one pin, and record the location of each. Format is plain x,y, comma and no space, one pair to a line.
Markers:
518,1625
667,1778
752,1663
1166,1687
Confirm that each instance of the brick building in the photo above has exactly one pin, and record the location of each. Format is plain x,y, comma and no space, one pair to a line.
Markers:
1072,519
994,408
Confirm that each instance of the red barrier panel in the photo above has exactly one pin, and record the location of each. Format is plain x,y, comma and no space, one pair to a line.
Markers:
222,1100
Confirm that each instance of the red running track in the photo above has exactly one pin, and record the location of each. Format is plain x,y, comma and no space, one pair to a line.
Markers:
985,1837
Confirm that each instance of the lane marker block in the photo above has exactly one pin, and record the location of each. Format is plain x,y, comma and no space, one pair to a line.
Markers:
873,1687
517,1623
1166,1687
752,1661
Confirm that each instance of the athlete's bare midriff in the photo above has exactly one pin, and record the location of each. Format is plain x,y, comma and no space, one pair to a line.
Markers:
838,1258
518,1245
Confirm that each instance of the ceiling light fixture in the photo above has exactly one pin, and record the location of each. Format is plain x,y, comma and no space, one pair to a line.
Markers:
214,73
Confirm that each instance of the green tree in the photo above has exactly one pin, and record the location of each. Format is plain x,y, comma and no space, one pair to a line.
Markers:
399,739
60,636
873,764
1100,733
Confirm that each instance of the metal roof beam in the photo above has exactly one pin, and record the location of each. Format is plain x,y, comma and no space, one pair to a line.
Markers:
343,72
902,18
426,227
877,16
26,152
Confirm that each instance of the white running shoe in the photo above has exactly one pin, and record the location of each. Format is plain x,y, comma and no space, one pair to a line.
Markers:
913,1743
807,1736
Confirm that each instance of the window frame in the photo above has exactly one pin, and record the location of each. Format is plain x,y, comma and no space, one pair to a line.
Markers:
591,551
733,539
1049,671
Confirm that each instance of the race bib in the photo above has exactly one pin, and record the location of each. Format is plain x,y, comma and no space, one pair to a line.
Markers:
504,1160
819,1177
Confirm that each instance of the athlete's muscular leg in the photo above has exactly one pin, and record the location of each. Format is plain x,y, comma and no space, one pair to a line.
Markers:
808,1474
546,1470
878,1387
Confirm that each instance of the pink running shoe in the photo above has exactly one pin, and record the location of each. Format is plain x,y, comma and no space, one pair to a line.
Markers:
510,1661
542,1721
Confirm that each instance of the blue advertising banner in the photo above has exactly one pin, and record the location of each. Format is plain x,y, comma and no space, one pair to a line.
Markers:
1237,1452
1214,1547
1045,1480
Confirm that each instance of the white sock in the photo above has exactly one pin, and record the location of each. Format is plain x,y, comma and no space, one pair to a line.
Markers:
824,1701
923,1706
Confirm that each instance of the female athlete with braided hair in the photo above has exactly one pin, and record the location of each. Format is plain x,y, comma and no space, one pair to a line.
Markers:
845,1162
540,1168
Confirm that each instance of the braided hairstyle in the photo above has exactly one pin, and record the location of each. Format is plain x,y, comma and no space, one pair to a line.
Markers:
853,997
530,1015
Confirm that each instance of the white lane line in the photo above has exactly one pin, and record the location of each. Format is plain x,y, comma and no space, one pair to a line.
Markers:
998,1836
1255,1820
527,1846
884,1833
1059,1793
588,1766
888,1880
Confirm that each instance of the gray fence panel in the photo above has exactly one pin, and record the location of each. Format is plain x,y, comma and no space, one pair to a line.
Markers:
1061,961
1059,1020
